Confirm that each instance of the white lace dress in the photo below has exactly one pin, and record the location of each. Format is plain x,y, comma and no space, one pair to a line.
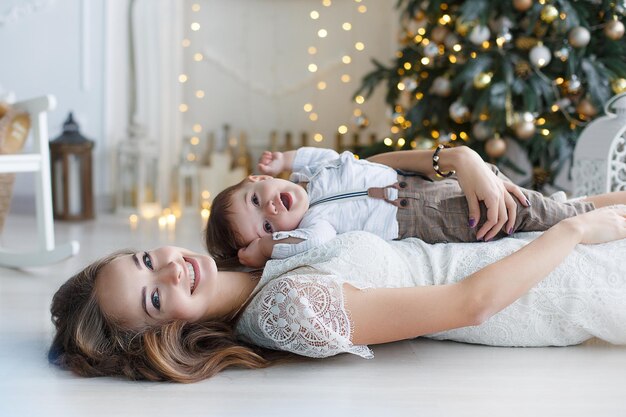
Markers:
298,304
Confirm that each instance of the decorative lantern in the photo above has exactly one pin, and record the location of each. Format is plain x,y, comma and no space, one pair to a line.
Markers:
70,157
600,154
138,189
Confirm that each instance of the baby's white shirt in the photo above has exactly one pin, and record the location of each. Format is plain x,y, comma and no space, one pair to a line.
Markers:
327,172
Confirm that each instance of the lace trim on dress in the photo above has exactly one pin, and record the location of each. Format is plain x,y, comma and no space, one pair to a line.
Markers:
306,316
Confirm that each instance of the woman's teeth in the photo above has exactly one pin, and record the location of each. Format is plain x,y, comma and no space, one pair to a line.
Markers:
192,276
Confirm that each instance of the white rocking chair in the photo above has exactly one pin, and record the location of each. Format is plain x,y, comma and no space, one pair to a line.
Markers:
38,162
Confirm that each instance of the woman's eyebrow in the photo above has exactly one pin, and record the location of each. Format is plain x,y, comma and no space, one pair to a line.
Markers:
136,260
143,301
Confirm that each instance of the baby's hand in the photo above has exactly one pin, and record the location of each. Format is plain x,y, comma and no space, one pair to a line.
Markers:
252,256
271,163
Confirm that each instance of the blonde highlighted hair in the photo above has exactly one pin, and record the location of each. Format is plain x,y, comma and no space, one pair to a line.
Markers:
91,344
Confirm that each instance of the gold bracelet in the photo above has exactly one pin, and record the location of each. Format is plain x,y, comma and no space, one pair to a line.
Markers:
436,162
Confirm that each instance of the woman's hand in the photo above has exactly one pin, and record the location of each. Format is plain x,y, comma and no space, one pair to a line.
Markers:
479,183
271,163
600,226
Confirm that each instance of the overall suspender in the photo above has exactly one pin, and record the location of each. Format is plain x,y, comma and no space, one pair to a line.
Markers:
372,192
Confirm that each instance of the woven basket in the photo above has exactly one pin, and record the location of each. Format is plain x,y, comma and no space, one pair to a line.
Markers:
14,127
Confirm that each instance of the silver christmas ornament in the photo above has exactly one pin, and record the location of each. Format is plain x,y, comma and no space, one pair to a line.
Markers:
479,34
579,37
482,131
540,55
459,112
431,50
441,86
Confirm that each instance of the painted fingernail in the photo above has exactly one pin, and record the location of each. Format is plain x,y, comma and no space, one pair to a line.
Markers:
528,202
472,222
510,230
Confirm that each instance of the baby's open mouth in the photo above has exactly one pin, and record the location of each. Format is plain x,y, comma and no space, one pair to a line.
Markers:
285,198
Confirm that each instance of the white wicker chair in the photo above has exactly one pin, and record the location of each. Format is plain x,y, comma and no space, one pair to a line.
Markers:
39,163
600,154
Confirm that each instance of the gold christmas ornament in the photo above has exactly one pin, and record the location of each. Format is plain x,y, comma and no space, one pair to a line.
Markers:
495,147
614,30
618,85
525,130
549,13
522,5
579,37
462,27
524,125
586,108
482,80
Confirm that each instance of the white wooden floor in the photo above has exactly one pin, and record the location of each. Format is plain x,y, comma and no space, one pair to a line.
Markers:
419,377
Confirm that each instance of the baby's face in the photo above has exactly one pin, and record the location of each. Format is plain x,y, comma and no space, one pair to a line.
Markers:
264,205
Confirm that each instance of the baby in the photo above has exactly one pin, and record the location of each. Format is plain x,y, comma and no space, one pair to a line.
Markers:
264,217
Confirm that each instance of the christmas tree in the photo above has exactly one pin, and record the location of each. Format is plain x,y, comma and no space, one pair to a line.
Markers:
477,72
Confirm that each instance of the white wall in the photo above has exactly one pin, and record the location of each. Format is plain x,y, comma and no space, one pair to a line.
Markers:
254,68
56,47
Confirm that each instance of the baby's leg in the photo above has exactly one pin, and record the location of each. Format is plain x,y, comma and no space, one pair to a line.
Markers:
608,199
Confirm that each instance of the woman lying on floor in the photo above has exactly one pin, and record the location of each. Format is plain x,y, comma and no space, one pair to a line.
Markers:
169,314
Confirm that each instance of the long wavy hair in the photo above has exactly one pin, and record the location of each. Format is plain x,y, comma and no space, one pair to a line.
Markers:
90,344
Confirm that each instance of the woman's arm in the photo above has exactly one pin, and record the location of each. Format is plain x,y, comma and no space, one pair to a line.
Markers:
476,180
390,314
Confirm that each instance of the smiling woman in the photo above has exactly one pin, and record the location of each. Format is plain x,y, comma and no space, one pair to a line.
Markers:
556,292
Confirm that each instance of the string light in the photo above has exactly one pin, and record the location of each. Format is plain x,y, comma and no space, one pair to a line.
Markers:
195,26
194,140
195,7
182,78
185,43
197,128
183,107
345,77
198,57
200,94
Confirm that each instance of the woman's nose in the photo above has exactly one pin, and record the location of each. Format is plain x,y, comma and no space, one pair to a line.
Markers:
170,273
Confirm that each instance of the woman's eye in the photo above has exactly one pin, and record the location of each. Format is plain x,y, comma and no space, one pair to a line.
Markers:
147,261
267,227
156,299
255,200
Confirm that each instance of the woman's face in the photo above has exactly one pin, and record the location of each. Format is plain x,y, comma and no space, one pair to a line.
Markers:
157,286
